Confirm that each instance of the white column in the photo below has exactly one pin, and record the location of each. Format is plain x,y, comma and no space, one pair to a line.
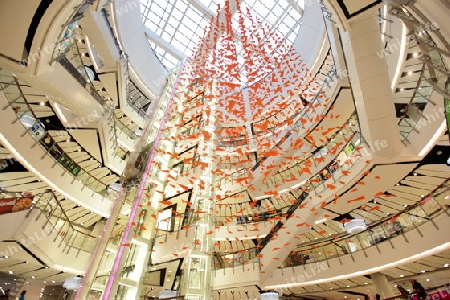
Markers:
382,285
369,78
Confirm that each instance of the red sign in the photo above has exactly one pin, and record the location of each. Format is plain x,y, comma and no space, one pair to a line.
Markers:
9,205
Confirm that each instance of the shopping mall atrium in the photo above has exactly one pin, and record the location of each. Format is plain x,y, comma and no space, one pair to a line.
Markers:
224,149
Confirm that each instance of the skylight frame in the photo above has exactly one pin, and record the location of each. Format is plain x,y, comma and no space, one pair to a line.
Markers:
182,25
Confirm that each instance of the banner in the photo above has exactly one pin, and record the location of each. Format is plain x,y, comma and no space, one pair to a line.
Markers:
9,205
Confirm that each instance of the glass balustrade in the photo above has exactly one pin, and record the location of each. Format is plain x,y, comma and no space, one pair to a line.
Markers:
74,61
67,235
65,156
434,75
411,218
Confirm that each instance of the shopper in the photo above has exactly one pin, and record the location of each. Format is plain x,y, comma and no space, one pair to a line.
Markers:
5,294
418,289
22,295
404,294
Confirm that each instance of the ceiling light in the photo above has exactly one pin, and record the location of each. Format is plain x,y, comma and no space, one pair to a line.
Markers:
423,271
41,103
348,286
446,265
415,174
53,281
402,275
428,279
10,272
366,283
33,277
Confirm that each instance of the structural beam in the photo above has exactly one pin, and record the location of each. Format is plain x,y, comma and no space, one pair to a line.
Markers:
295,6
151,35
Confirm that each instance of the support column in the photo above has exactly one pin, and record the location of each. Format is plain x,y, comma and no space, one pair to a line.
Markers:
371,85
382,285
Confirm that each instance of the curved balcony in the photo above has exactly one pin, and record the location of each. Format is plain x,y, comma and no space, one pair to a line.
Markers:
76,175
294,173
51,236
392,234
421,86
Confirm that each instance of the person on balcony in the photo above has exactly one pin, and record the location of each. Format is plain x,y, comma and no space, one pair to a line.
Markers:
5,294
22,295
404,294
418,290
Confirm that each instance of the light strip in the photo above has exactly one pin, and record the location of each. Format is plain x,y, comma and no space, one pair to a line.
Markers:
434,139
401,59
139,196
69,270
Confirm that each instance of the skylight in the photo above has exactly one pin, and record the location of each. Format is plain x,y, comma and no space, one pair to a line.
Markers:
177,26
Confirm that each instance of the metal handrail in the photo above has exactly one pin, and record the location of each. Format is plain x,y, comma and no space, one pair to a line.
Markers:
344,127
342,237
307,186
334,240
407,15
44,202
77,55
83,171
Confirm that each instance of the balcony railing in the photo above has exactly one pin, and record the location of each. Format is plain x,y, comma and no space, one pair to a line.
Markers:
411,218
64,157
434,75
66,235
72,59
